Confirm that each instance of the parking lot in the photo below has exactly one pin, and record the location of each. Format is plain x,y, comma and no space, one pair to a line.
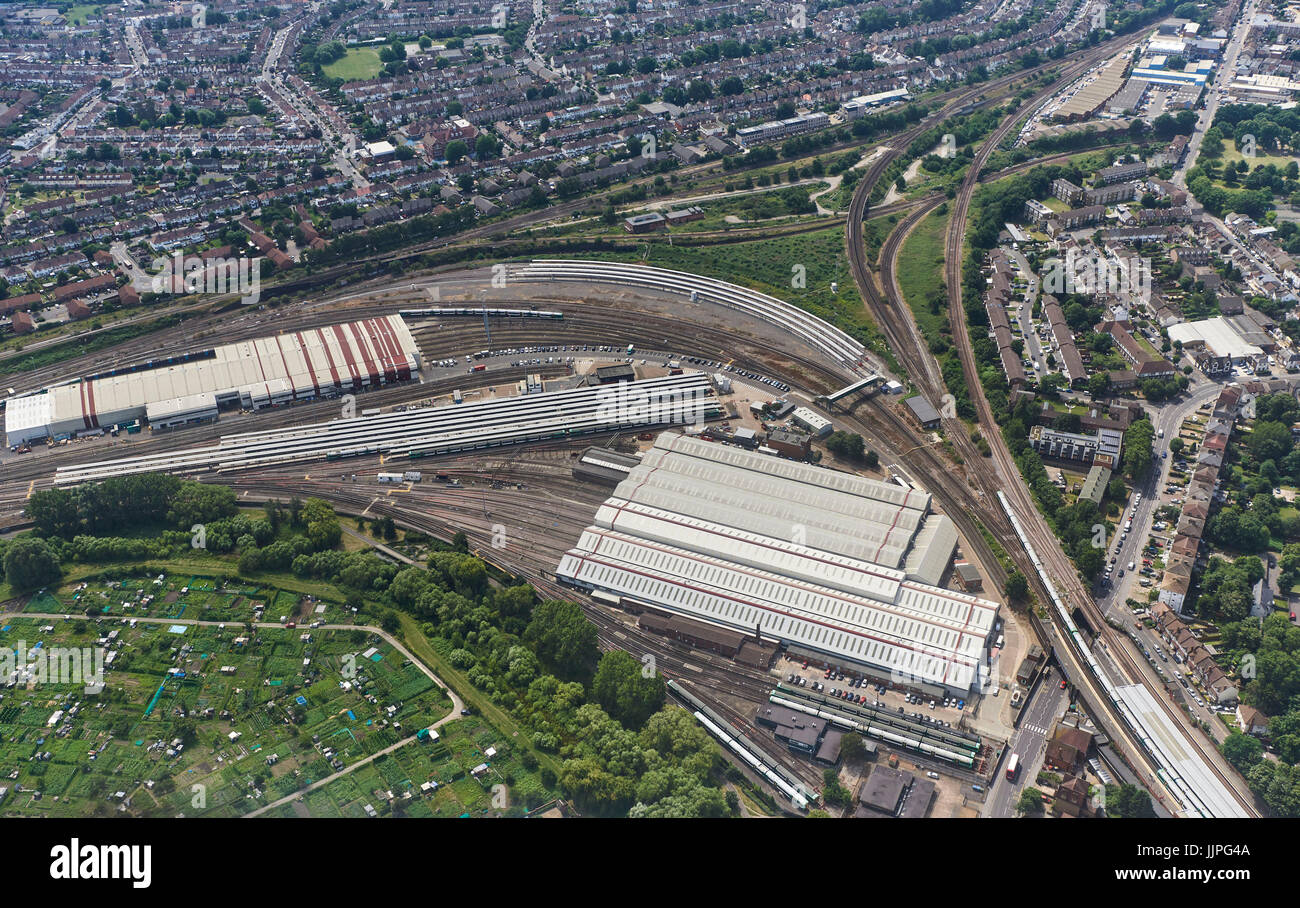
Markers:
848,687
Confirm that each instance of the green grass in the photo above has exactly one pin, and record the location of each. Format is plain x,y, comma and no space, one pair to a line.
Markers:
1231,156
874,233
73,785
77,15
920,275
358,64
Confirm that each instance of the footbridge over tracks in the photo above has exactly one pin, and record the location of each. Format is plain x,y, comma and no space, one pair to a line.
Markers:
872,383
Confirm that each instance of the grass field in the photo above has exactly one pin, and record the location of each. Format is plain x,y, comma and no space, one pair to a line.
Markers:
776,266
1231,156
874,233
357,64
920,275
77,15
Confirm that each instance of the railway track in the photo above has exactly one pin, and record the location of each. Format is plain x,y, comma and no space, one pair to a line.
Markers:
439,512
894,317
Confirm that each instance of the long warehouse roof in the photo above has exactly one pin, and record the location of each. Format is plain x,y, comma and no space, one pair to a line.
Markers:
850,515
808,555
932,635
348,355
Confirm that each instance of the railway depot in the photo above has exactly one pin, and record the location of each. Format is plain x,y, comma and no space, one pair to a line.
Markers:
251,374
830,564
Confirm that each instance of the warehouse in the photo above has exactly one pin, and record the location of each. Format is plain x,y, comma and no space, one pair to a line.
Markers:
1217,335
810,557
601,465
251,374
813,422
181,411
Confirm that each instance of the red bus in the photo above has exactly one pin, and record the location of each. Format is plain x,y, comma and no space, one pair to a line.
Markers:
480,368
1013,767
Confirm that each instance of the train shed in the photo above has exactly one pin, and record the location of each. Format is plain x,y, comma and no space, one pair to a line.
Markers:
812,558
249,374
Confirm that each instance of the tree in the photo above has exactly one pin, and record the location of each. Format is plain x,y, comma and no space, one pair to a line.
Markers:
1030,802
54,512
1017,587
200,502
29,562
852,747
455,150
624,690
1269,440
1128,801
1242,751
487,146
1137,448
1099,385
563,638
848,445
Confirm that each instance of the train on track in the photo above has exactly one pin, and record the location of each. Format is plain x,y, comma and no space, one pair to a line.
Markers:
478,312
1191,800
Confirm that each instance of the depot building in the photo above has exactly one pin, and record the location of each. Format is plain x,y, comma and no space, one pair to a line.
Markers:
828,564
253,374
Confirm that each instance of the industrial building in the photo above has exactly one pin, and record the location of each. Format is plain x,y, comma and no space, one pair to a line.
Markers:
774,130
1219,336
890,792
827,563
601,465
251,374
922,412
1094,487
431,431
1090,98
812,422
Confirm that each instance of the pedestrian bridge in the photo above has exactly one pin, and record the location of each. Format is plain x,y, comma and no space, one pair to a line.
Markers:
871,382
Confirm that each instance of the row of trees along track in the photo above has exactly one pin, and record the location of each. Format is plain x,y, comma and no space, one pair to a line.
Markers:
904,337
702,670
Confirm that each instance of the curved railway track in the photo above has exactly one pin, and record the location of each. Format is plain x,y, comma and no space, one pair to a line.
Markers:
894,317
440,512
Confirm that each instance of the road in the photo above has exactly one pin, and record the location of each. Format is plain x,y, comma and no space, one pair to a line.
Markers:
1073,592
1120,551
1024,312
1037,716
1214,96
1224,75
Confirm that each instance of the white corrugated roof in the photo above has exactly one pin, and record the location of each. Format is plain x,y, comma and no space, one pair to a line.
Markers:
799,552
306,360
937,636
872,540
